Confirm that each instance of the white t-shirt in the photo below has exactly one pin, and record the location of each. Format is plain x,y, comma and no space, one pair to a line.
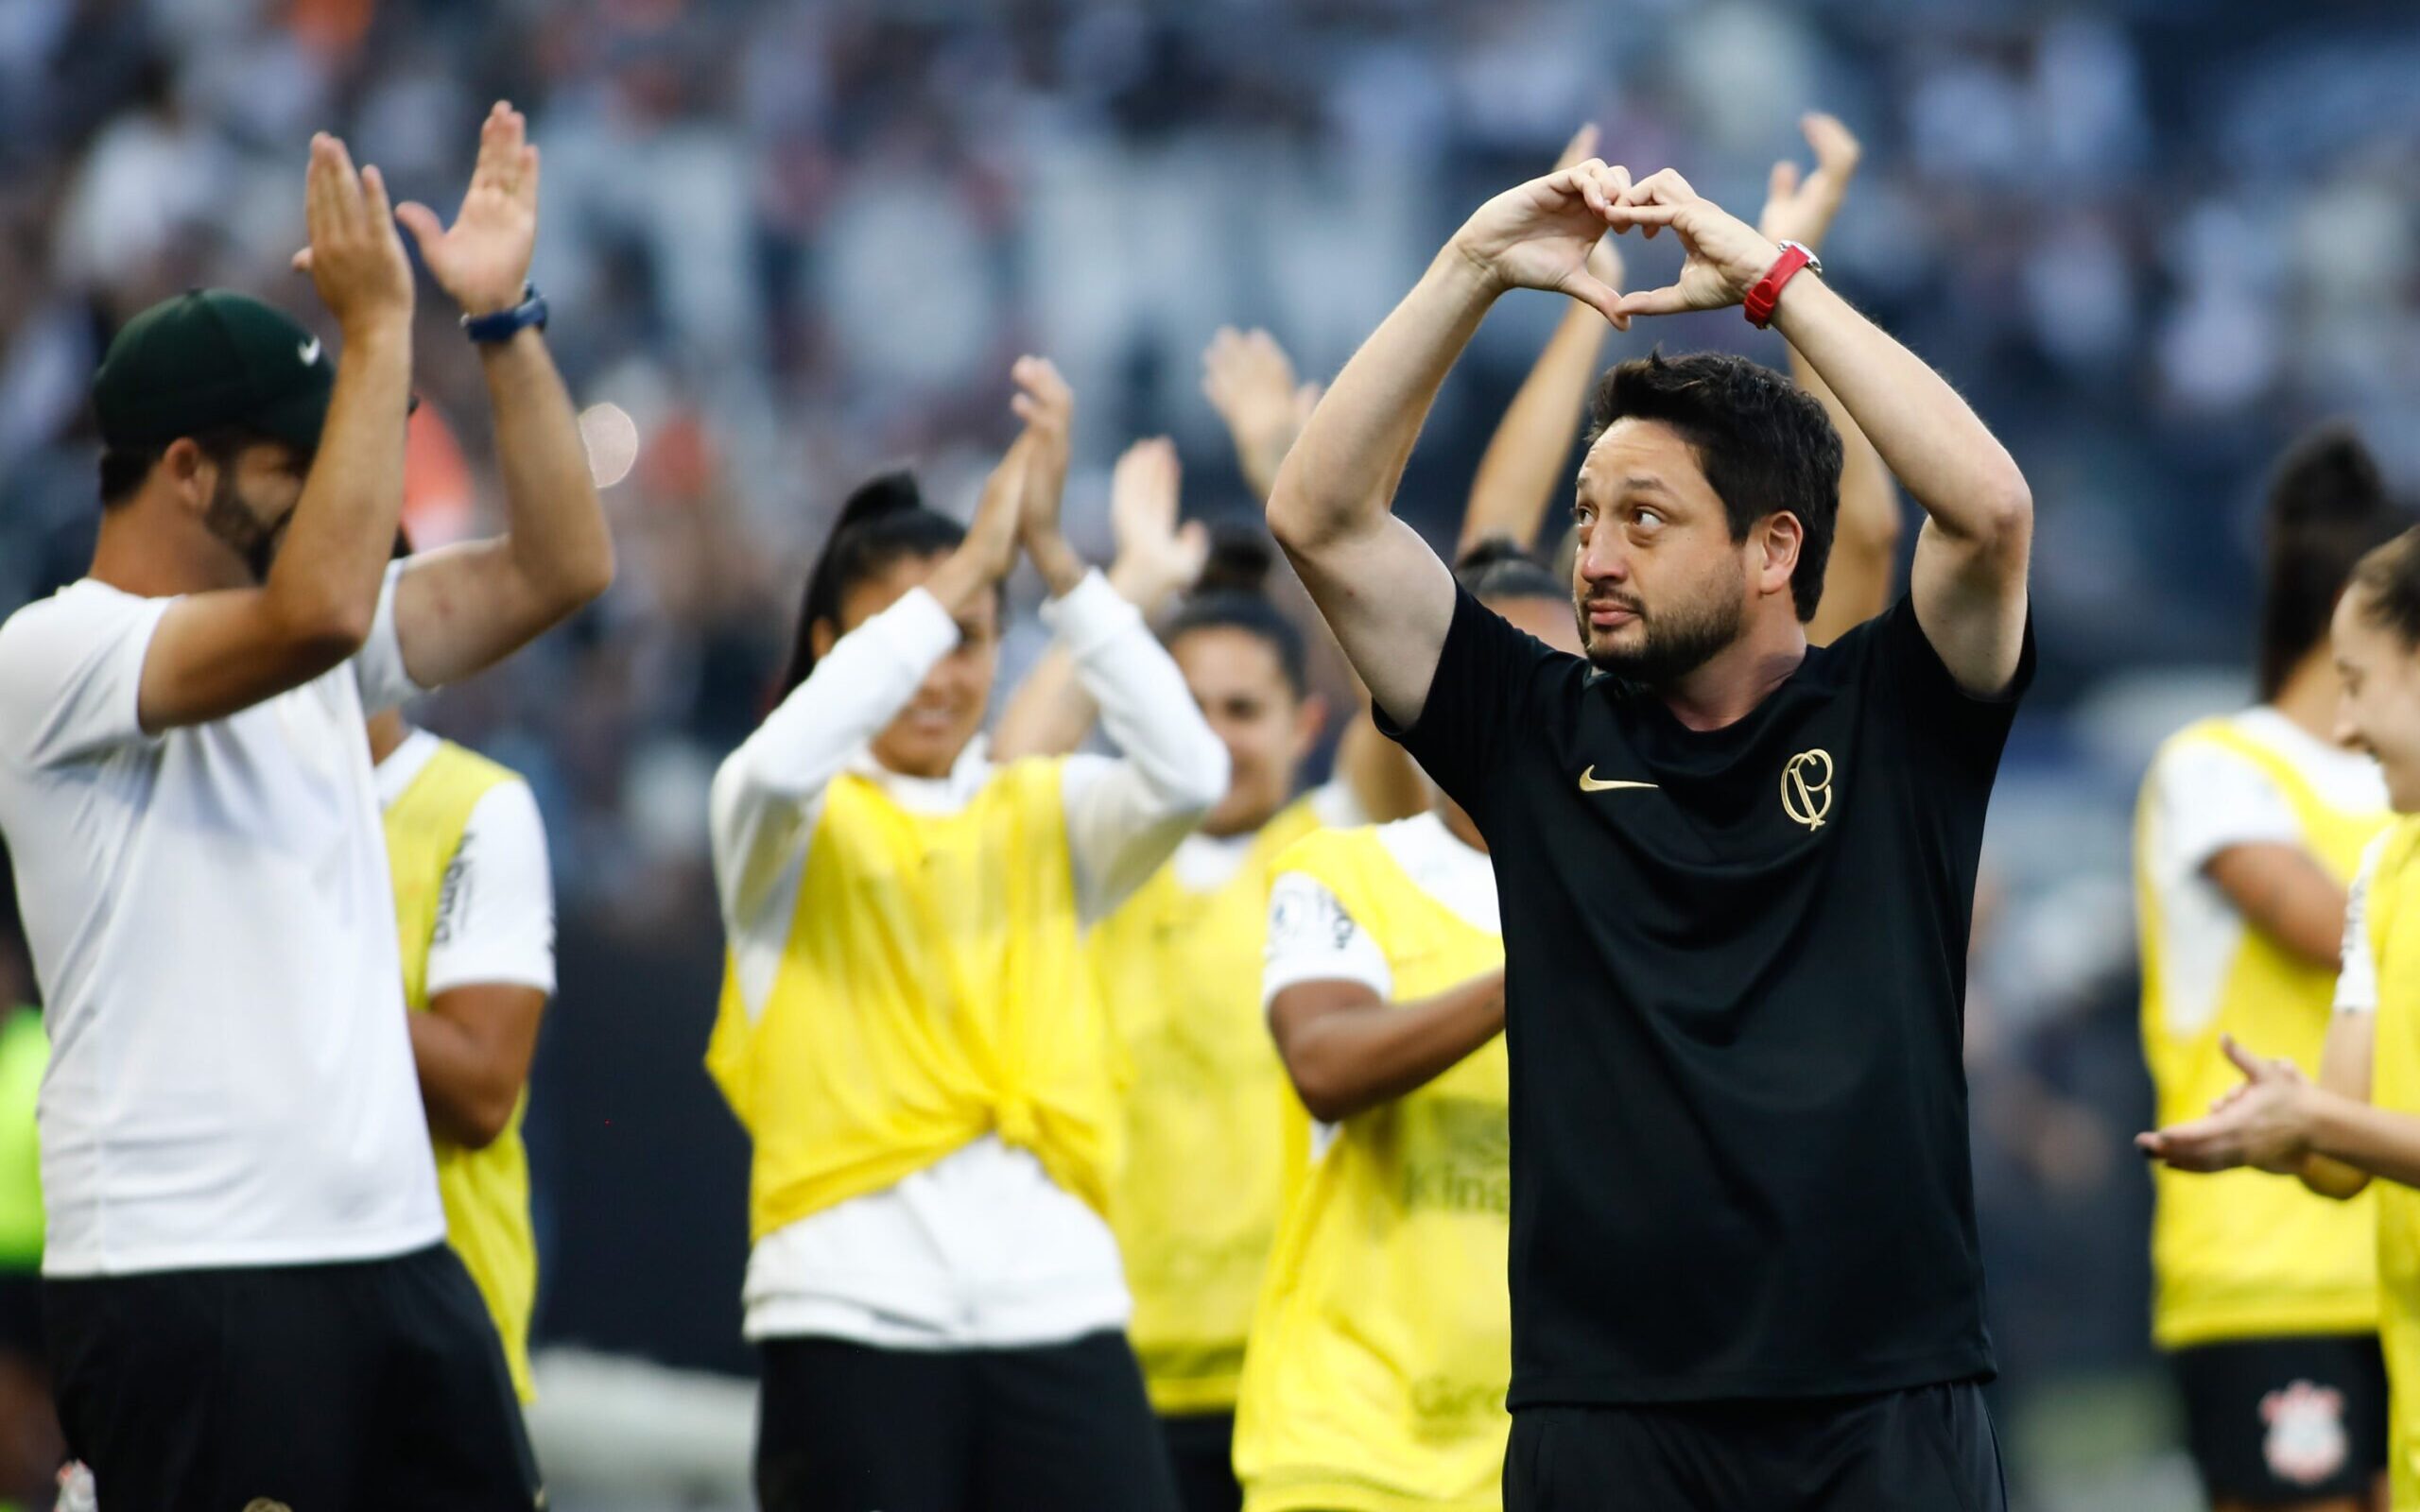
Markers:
231,1079
496,918
2356,975
2201,798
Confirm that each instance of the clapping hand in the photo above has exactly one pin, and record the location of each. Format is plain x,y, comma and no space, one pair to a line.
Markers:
1250,381
2261,1123
1800,208
483,258
1157,557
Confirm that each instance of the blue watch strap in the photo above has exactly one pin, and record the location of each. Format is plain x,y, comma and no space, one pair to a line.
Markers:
504,324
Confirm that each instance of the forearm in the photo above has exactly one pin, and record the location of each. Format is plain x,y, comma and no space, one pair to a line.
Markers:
2382,1142
468,1098
1923,433
1050,713
1145,709
1385,781
855,689
334,559
1352,1060
1865,542
1339,478
1521,472
560,545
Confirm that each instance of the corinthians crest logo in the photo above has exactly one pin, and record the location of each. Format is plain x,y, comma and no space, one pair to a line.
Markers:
1806,787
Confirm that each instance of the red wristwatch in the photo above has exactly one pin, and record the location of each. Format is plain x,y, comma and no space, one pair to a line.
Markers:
1758,305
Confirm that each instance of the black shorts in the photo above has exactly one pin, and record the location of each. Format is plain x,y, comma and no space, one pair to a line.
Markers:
349,1387
1926,1449
2286,1419
846,1427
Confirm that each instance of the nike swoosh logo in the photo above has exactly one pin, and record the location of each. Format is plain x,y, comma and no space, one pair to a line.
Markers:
1589,782
309,351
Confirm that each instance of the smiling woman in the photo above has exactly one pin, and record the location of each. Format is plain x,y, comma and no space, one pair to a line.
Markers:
909,1027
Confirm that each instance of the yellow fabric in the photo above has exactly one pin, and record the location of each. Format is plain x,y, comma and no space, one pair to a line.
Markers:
1197,1203
1382,1346
486,1191
2241,1254
933,989
2394,910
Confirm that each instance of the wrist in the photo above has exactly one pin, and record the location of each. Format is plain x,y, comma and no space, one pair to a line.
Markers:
379,328
493,301
1466,265
1056,561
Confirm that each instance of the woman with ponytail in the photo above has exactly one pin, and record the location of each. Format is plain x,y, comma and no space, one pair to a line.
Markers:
910,1032
1381,1348
2250,827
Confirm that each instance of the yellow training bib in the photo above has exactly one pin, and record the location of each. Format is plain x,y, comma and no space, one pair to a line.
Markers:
2241,1254
1382,1346
933,990
486,1192
2394,918
1196,1206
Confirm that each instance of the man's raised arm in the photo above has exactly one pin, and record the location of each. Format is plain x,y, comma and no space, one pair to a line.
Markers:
1387,597
1969,577
465,608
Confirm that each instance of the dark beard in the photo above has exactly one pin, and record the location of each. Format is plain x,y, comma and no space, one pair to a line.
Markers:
241,531
1679,641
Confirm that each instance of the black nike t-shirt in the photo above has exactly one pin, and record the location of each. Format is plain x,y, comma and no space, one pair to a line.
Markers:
1736,973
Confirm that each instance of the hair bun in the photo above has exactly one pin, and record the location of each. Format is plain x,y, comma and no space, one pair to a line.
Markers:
884,494
2328,474
1491,551
1240,562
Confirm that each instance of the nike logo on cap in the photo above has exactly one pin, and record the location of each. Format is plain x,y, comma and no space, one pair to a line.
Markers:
309,351
1590,783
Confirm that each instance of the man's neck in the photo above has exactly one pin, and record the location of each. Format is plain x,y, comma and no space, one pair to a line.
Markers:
2308,697
134,556
1727,686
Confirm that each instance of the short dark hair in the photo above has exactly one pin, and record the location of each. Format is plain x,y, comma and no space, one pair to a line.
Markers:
1496,568
885,520
2327,508
1233,594
2388,578
1766,444
125,467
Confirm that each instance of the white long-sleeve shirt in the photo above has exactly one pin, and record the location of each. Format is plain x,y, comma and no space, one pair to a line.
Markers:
981,1250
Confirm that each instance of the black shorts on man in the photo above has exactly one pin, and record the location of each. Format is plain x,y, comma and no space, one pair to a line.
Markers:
364,1386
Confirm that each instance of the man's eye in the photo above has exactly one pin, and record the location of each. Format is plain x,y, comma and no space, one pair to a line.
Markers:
1649,517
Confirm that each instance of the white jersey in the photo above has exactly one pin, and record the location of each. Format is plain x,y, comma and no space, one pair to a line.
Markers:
231,1079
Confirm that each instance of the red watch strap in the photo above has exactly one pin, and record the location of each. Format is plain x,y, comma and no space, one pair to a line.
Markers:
1758,305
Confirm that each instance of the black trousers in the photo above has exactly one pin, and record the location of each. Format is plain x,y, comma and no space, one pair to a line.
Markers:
354,1387
846,1427
1926,1449
1202,1451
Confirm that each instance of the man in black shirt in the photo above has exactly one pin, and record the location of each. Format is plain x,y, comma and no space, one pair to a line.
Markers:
1736,873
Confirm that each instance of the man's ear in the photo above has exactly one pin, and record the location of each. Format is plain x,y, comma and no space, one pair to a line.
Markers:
1779,539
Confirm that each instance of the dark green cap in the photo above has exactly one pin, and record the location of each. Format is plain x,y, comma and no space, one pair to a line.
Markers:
210,358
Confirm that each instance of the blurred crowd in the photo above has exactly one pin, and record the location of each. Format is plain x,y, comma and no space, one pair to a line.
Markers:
787,242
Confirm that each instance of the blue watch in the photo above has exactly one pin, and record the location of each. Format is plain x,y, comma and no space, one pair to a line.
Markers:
504,324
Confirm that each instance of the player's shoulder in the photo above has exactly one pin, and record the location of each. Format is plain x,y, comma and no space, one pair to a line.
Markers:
476,765
1337,855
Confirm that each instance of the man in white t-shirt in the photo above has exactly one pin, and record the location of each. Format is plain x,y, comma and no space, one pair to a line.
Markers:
248,1292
